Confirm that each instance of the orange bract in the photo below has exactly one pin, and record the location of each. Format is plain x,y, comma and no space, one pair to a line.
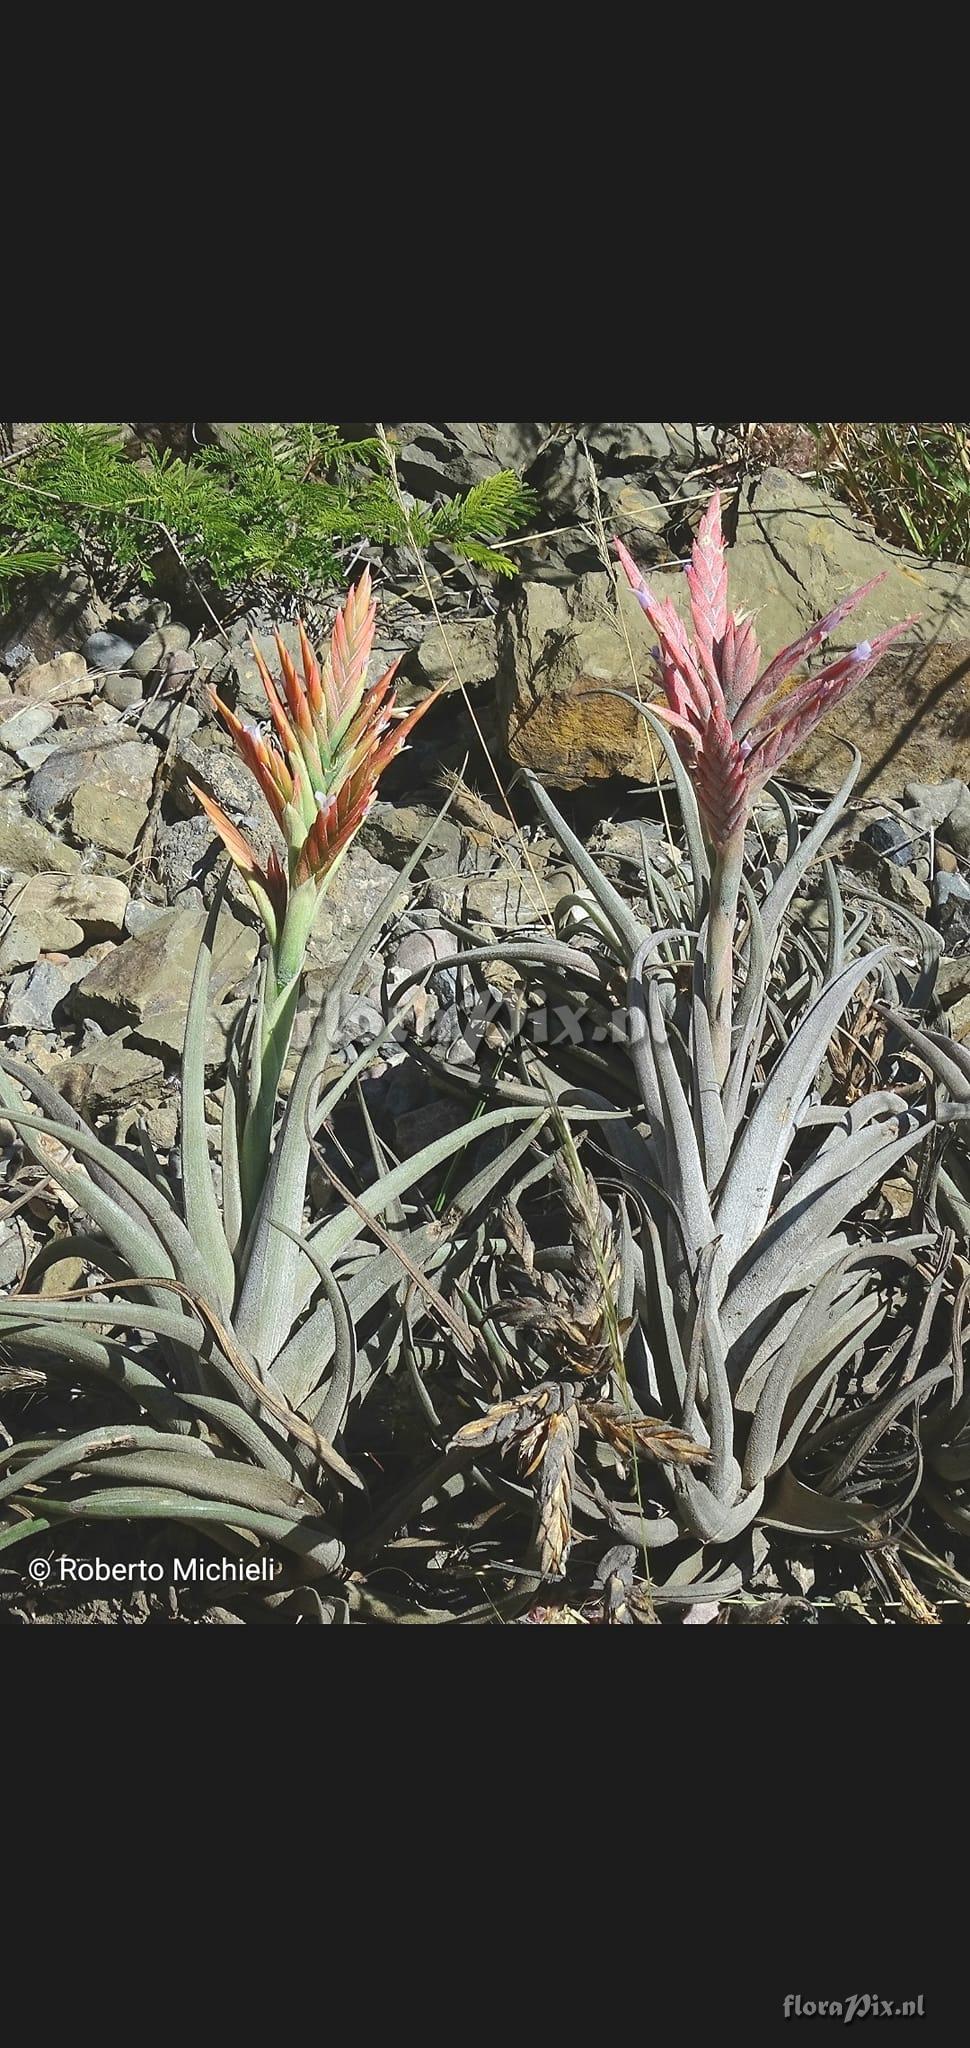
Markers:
331,739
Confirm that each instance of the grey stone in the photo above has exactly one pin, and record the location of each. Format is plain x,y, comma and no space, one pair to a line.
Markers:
122,691
638,514
146,982
168,640
464,652
165,714
212,660
251,697
26,848
891,837
94,904
188,855
953,980
951,909
12,1259
418,951
933,802
902,885
33,997
447,455
107,1076
127,768
956,828
392,831
949,889
20,946
501,900
108,651
140,916
33,757
101,818
222,774
58,612
27,722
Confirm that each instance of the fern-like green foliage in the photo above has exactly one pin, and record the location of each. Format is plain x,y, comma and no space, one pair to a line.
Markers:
269,513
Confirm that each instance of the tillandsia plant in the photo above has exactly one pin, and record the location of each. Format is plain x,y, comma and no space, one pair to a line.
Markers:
235,1360
243,1331
766,1302
735,724
333,736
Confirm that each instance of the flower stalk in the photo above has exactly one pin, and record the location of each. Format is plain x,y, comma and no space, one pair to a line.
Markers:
734,724
331,737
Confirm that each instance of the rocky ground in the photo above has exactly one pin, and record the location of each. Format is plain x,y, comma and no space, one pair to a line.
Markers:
107,865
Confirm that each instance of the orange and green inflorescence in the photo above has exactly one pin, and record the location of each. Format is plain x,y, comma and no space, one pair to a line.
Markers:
332,737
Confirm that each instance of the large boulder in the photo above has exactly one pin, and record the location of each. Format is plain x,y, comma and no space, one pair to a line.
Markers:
796,552
559,649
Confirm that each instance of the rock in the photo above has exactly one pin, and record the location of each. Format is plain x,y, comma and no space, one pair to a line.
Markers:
127,768
515,444
355,893
651,451
637,512
160,1121
392,831
140,916
664,447
251,697
32,998
56,612
58,681
189,856
953,980
109,1076
221,773
418,951
889,837
94,904
466,645
501,900
121,691
904,887
23,724
146,982
212,660
173,672
951,908
149,656
33,757
556,648
166,714
956,827
442,456
26,848
108,651
960,1021
100,818
932,802
20,946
